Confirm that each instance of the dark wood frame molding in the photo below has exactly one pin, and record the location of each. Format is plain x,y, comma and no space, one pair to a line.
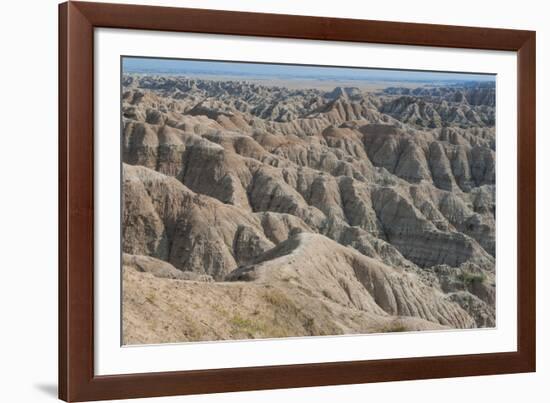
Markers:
77,21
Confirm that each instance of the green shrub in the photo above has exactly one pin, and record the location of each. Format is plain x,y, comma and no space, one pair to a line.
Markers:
469,278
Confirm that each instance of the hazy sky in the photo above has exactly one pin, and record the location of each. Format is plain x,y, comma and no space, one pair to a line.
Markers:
178,66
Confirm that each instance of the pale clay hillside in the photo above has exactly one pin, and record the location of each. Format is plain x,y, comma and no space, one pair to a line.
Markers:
252,211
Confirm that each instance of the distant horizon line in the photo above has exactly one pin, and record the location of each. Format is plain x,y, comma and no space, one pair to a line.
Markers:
169,66
290,78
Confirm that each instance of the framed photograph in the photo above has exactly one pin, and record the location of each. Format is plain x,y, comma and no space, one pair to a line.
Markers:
256,201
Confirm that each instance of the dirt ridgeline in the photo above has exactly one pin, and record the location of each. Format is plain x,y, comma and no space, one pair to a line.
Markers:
309,285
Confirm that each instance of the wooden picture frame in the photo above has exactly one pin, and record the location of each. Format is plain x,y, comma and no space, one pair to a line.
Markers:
77,21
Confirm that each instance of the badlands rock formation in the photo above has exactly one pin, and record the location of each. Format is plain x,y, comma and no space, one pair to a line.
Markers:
255,211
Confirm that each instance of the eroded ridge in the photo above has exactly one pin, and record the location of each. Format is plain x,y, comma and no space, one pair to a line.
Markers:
259,211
